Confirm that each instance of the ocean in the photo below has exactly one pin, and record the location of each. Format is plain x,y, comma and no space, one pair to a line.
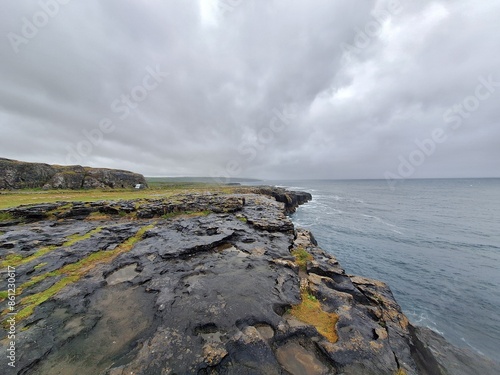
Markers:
436,242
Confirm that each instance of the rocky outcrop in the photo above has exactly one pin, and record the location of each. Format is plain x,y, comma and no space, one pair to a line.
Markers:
20,175
198,284
290,199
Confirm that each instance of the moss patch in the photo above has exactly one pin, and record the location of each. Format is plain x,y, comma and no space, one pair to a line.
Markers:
6,216
309,311
71,240
301,257
37,299
96,216
72,272
40,265
186,214
15,260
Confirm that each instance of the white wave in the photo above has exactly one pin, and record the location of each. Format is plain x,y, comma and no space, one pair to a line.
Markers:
471,346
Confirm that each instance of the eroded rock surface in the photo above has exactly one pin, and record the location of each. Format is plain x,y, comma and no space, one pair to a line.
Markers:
21,175
199,284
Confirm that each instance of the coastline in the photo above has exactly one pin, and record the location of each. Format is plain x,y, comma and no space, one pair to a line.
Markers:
217,276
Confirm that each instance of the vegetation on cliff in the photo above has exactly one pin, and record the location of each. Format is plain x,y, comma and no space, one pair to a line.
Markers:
21,175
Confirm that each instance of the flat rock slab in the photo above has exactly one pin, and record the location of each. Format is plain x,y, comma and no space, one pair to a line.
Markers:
197,294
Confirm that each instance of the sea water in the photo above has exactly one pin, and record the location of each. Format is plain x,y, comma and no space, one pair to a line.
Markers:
435,242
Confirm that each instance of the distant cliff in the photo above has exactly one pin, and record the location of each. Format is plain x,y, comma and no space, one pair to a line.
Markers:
21,175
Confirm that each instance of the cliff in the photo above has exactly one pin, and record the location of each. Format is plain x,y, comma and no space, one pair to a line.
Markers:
200,284
20,175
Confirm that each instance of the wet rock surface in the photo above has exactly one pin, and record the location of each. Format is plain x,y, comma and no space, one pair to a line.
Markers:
198,284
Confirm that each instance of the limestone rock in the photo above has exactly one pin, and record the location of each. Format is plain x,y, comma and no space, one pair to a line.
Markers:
200,294
21,175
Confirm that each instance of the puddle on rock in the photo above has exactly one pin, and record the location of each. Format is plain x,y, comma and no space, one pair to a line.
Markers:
298,361
74,327
126,273
127,315
265,331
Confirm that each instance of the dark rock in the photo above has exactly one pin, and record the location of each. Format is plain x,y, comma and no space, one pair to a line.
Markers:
21,175
203,294
437,354
291,199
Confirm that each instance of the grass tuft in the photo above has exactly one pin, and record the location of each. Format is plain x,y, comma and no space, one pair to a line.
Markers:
38,266
6,216
309,311
96,216
172,215
301,257
71,240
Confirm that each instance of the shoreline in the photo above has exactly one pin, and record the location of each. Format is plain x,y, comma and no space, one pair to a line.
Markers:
230,268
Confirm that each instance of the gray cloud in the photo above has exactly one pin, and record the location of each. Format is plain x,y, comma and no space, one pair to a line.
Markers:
354,115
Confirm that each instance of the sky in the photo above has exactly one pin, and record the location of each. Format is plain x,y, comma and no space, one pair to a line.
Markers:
271,89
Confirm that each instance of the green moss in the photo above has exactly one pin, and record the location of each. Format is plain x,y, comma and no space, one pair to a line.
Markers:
52,214
242,219
11,260
34,300
36,280
72,273
3,294
310,311
6,216
171,215
301,257
71,240
40,265
15,260
97,216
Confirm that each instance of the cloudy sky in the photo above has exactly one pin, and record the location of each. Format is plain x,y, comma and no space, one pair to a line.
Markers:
254,88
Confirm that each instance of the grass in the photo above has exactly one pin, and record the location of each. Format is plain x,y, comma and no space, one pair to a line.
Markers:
71,240
13,198
5,216
63,209
96,216
309,311
15,260
186,214
71,273
37,299
301,257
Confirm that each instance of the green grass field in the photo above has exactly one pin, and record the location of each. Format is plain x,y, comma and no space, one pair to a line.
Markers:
156,189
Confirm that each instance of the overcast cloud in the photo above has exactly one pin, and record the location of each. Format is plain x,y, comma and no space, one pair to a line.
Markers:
263,88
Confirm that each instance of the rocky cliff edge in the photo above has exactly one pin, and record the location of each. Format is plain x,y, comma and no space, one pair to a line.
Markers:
199,284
